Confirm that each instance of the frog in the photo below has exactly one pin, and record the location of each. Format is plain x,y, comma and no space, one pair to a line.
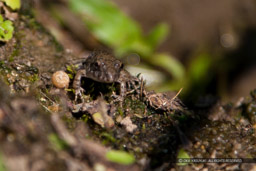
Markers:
104,67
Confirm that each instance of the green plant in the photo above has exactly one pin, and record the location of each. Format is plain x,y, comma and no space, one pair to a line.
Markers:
13,4
112,27
6,29
124,35
120,157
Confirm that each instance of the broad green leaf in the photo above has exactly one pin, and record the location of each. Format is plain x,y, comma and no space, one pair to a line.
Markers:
114,28
13,4
120,157
170,64
138,45
6,29
157,35
106,21
199,67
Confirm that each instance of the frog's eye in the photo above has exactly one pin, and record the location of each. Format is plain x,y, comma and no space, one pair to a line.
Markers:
117,65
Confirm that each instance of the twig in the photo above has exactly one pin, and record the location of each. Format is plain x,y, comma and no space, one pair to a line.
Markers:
177,94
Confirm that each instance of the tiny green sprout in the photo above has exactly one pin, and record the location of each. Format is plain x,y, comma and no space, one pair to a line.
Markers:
6,29
120,111
120,157
85,118
72,70
70,76
13,4
143,126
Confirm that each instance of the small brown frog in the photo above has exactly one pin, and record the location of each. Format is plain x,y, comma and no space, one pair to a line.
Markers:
104,67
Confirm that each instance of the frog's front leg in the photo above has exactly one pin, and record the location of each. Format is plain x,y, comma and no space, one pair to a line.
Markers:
120,98
77,83
122,90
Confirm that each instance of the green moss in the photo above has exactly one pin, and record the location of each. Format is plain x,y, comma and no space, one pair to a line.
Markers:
107,138
85,118
15,52
33,78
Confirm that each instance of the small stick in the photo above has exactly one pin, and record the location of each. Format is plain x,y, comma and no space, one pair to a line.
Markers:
177,94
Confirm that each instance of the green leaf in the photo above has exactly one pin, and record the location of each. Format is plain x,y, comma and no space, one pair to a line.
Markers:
106,21
199,67
157,35
6,29
114,28
13,4
170,64
182,154
139,46
120,157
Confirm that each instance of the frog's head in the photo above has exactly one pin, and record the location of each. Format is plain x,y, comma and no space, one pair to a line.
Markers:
103,67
